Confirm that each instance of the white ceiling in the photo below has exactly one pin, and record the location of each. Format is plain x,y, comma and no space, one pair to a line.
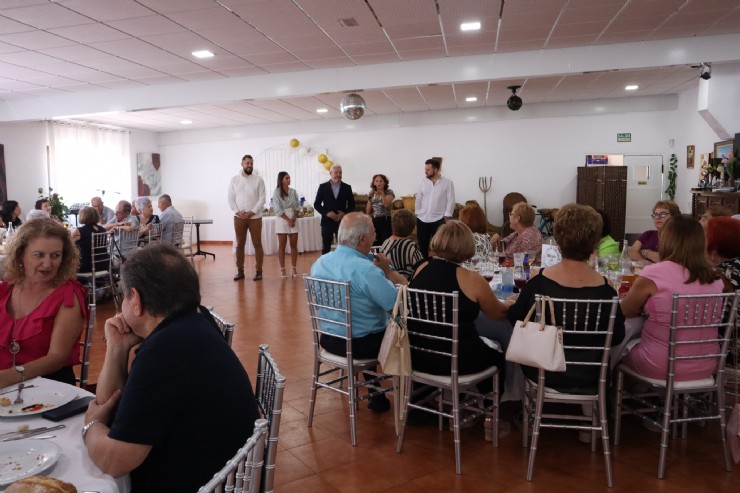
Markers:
73,50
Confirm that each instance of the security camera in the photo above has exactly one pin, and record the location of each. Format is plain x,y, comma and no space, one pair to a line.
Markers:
705,71
514,102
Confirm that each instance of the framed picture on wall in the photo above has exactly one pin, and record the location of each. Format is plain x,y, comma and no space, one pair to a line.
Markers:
690,154
723,149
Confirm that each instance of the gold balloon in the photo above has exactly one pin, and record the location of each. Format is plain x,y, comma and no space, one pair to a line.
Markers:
327,165
294,143
322,158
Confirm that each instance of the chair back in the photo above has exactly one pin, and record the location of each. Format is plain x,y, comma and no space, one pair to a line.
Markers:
155,232
243,473
86,346
182,236
269,394
433,325
588,326
100,246
329,307
701,329
126,242
226,327
177,233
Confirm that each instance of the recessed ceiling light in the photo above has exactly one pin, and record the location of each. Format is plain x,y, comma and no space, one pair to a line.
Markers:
471,99
470,26
186,122
202,54
322,110
631,87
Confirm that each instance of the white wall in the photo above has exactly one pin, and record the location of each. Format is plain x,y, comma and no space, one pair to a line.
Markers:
25,162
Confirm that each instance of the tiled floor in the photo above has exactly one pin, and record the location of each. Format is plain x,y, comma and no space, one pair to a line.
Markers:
321,459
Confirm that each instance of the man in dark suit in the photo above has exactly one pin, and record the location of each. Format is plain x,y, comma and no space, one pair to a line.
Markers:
334,199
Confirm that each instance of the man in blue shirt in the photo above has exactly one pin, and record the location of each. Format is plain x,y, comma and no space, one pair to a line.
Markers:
372,291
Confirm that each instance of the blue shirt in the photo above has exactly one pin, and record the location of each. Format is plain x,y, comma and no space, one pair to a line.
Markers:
372,295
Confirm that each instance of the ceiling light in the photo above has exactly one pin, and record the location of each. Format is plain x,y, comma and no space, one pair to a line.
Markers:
352,106
470,26
471,99
186,122
631,87
322,110
514,102
202,54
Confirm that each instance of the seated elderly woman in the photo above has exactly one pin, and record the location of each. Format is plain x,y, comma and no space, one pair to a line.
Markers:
146,216
646,246
577,230
42,306
714,211
402,251
683,269
525,238
474,218
90,220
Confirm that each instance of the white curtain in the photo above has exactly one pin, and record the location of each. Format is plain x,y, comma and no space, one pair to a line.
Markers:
86,160
306,173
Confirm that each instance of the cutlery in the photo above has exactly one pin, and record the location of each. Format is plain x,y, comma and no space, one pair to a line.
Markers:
16,389
18,399
31,433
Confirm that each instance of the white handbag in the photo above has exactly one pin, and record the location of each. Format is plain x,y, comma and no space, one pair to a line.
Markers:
536,344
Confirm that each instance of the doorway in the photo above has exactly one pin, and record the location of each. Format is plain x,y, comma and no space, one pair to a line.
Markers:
644,189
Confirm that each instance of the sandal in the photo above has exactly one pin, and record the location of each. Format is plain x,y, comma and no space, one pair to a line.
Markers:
504,428
293,273
282,273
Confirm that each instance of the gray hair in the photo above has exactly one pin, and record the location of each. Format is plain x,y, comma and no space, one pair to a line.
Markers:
36,213
142,202
335,166
352,227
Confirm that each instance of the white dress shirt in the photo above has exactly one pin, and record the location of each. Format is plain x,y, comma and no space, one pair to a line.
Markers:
435,201
247,193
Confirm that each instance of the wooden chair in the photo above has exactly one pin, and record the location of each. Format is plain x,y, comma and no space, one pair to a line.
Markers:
269,389
510,200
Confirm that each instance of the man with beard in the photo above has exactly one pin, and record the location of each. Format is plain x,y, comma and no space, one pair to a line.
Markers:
435,203
247,199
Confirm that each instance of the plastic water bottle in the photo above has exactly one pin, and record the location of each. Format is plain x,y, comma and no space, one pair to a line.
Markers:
507,279
625,263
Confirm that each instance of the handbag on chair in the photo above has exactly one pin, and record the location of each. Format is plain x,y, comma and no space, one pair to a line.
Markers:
395,353
537,344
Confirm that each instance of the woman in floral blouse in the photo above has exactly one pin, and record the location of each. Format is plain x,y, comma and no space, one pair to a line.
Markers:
286,206
525,238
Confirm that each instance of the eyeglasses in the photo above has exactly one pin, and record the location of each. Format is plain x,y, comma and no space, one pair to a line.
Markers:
656,215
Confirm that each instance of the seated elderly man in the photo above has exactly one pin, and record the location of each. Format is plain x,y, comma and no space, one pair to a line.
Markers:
168,216
152,421
125,221
106,213
372,290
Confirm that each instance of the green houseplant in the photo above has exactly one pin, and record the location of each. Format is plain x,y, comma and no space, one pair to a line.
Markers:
672,175
58,208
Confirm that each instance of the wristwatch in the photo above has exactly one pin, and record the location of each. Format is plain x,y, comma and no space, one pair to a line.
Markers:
22,370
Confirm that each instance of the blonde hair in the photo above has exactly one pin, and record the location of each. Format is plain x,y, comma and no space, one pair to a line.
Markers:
525,213
454,242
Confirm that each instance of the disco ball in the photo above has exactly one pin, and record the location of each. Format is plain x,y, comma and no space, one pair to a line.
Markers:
352,106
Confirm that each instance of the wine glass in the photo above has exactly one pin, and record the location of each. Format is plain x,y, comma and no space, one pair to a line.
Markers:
486,270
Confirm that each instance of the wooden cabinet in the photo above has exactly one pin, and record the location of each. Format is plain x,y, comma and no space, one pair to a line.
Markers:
702,199
605,187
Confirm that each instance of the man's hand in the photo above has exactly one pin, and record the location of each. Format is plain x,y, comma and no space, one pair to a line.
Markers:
340,215
118,333
332,215
102,411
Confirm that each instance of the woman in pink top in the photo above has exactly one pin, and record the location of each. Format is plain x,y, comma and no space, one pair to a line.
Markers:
683,270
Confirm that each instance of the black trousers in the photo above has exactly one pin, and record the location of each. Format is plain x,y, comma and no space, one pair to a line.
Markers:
327,235
424,234
382,229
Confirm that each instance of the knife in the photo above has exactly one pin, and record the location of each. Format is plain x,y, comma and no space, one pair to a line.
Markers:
16,389
32,433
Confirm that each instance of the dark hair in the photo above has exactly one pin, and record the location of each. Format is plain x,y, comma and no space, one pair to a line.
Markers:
126,206
723,236
247,156
39,203
385,179
166,281
434,162
89,215
41,228
577,231
403,223
281,175
606,227
682,241
474,218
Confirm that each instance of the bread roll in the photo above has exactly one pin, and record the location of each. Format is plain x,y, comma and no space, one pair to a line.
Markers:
41,484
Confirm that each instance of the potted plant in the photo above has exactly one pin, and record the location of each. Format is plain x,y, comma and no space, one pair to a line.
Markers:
58,208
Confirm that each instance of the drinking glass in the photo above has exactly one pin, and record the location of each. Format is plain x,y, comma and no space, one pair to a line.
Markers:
612,262
615,277
518,259
486,270
601,265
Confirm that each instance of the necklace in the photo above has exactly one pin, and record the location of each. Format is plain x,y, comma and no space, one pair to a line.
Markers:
445,260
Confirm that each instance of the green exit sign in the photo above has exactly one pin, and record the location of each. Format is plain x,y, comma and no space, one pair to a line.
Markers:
627,137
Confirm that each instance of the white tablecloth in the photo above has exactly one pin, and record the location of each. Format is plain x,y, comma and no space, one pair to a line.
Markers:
74,465
309,235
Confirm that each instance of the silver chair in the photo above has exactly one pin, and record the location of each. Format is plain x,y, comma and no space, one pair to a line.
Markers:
588,326
453,393
242,474
226,328
182,236
329,305
99,256
126,242
86,347
269,390
701,329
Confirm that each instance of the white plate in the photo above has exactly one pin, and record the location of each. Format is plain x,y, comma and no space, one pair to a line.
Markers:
49,396
26,458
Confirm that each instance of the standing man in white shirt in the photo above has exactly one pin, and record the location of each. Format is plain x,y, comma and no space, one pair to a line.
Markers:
247,199
435,203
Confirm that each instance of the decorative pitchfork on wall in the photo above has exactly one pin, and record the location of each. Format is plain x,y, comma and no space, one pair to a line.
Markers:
485,185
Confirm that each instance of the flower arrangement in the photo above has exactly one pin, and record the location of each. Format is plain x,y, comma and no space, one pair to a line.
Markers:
58,208
729,165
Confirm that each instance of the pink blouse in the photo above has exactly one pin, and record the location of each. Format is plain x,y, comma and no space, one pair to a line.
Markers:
528,240
34,331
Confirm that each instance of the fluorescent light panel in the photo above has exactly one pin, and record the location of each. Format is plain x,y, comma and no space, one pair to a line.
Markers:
202,54
470,26
322,110
471,99
631,87
186,122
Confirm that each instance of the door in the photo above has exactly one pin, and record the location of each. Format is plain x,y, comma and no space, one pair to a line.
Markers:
644,189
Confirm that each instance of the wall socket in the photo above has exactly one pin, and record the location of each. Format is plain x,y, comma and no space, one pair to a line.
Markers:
671,142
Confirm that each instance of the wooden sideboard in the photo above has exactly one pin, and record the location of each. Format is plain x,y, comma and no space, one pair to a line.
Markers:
702,199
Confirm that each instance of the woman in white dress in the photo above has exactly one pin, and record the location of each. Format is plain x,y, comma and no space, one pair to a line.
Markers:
286,207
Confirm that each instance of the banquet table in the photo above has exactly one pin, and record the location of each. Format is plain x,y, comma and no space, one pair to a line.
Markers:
309,235
74,465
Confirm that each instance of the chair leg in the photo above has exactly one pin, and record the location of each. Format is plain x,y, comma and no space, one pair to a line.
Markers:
605,440
723,424
456,430
312,398
404,416
496,408
536,429
353,403
664,433
526,403
618,407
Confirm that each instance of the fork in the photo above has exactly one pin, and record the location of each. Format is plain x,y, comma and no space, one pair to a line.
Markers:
18,399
